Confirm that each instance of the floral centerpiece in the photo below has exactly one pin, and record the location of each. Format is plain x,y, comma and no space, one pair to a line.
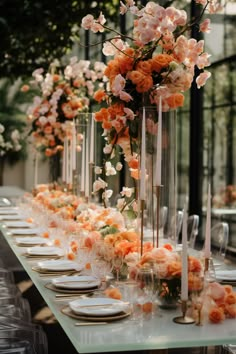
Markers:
63,93
156,59
166,265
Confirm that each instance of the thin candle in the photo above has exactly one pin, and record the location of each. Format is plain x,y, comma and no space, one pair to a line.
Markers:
87,169
73,147
63,163
159,145
69,161
91,157
143,157
36,169
207,251
82,176
66,159
184,273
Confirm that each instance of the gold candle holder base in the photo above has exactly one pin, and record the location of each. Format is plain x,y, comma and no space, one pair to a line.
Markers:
183,319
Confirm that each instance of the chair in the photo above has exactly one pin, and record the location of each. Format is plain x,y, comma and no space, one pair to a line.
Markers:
219,240
192,229
175,226
228,349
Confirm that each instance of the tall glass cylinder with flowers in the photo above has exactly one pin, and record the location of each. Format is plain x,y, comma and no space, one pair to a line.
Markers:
155,60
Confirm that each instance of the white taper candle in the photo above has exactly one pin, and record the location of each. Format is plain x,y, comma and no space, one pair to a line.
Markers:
82,176
184,273
87,169
207,251
159,145
91,156
143,158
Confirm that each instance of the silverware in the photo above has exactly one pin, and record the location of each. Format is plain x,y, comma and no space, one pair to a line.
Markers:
90,323
67,295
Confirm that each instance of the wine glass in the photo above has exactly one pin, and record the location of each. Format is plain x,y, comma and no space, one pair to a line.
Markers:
117,263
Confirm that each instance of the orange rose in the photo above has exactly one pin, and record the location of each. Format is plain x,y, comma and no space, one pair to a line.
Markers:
175,100
99,95
174,269
230,311
101,115
145,85
145,67
230,299
161,61
134,163
113,293
216,315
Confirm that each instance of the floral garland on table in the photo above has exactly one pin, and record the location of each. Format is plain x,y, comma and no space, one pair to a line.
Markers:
64,92
157,59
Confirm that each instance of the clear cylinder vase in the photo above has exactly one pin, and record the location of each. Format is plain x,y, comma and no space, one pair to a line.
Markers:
160,208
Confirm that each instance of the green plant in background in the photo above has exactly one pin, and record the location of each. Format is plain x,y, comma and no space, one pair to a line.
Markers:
13,141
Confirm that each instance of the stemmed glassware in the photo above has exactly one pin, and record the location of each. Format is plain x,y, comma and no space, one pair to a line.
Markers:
117,263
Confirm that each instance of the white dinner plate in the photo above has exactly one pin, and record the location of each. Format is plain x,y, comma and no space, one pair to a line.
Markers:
18,224
76,282
226,274
26,231
58,265
30,241
45,251
11,211
98,306
11,217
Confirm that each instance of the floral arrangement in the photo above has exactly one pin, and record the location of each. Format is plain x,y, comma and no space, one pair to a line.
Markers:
156,60
226,197
167,266
64,92
216,303
9,140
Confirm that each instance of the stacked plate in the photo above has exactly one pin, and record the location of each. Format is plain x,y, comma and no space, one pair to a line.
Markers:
30,241
56,266
74,284
44,252
226,276
97,309
18,224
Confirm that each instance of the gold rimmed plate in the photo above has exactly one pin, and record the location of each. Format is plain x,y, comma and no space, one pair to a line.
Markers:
70,291
68,312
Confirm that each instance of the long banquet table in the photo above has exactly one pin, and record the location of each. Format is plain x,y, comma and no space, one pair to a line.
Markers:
154,335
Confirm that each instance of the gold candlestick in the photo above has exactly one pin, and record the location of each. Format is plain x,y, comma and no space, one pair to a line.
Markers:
183,319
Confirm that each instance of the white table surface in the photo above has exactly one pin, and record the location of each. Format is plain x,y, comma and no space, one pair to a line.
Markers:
156,334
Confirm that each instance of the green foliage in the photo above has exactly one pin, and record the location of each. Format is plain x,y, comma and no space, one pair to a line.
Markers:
34,33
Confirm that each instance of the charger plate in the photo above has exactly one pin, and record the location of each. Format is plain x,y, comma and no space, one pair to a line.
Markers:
70,291
56,273
68,312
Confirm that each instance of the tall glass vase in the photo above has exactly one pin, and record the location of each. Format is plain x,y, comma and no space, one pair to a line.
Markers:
85,157
160,210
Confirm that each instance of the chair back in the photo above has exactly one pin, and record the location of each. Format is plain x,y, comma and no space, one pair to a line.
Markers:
219,239
192,229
